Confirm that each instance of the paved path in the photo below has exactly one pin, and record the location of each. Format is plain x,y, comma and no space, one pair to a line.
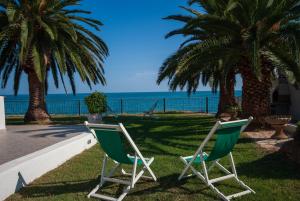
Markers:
17,141
264,140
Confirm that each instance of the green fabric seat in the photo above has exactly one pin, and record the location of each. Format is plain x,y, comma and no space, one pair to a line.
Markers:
139,161
113,145
116,142
197,159
227,137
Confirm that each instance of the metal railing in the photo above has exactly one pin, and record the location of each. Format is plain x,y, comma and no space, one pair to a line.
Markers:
120,106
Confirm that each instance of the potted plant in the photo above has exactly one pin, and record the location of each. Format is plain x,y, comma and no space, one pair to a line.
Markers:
97,105
278,122
233,111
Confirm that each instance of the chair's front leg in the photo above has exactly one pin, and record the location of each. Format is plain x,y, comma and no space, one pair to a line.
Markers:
183,173
187,165
101,177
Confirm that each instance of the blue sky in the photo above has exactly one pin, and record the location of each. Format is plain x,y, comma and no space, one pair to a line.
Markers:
134,32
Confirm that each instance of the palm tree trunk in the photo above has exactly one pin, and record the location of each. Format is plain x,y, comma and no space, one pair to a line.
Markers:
227,97
37,111
256,99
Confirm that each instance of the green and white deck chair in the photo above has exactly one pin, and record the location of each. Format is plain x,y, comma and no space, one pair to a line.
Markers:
110,111
113,144
227,135
150,112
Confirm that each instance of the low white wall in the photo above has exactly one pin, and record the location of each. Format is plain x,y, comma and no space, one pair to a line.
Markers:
2,113
17,173
295,103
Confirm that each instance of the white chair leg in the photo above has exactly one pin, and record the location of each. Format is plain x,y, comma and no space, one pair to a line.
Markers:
232,164
185,169
134,171
210,182
194,172
147,166
94,191
105,178
223,197
125,192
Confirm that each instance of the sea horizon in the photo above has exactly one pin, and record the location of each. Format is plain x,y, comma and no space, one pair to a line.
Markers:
124,102
126,95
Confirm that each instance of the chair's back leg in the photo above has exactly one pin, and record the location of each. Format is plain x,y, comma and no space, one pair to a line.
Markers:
204,168
103,169
212,165
134,170
232,165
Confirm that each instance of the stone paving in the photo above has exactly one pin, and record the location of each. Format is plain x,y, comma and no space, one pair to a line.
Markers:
263,139
18,141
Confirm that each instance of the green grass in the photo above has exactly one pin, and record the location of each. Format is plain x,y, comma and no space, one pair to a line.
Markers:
166,138
19,120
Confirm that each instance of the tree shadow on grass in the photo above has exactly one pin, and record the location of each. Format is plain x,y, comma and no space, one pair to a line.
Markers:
65,187
271,166
166,184
46,189
170,184
155,136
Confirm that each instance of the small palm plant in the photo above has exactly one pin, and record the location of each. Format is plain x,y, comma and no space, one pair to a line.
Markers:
48,37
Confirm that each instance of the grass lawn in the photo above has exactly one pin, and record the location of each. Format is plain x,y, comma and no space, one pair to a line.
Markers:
60,119
166,138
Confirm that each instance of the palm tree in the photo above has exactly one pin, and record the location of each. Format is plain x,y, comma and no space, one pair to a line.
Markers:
39,36
214,71
255,37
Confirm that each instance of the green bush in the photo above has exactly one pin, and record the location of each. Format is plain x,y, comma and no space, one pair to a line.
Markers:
96,103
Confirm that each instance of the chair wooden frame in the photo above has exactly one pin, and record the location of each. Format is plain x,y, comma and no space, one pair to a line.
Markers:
204,175
134,176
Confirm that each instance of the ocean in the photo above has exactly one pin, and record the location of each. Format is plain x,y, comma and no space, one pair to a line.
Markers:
130,102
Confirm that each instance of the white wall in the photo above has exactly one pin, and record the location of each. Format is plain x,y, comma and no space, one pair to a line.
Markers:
2,113
18,173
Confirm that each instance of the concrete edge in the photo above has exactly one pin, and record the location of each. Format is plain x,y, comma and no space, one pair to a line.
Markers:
17,173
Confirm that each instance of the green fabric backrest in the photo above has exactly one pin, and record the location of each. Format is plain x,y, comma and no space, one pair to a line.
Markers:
227,136
112,144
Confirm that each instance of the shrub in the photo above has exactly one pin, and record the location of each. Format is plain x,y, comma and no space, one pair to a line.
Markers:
96,103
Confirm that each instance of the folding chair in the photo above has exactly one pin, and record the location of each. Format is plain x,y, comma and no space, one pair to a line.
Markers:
227,136
109,137
150,112
110,111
